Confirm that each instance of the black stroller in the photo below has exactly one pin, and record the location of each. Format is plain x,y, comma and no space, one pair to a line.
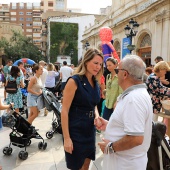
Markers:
159,151
21,134
52,104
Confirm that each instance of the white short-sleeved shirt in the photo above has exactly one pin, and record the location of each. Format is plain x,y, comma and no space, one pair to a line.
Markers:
132,116
66,72
44,76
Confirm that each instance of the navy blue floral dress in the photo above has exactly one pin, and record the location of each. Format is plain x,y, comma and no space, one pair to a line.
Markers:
17,97
156,91
81,122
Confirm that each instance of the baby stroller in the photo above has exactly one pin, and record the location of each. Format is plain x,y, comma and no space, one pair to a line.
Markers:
24,109
52,104
159,151
21,134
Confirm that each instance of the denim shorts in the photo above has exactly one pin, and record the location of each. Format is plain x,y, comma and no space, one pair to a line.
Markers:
31,100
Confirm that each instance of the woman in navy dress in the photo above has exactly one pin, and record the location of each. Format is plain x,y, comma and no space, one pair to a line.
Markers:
79,111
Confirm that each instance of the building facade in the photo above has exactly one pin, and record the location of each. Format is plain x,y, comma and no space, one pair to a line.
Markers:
4,13
28,15
153,37
53,5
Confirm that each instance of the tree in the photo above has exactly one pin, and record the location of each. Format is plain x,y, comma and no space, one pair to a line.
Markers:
20,46
63,39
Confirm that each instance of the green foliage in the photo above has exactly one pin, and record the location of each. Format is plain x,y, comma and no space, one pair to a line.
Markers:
20,46
63,38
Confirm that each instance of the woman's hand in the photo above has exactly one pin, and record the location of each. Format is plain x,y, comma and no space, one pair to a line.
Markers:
100,123
39,92
68,145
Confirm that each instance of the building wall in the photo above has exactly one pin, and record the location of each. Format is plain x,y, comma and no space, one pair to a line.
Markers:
28,15
153,17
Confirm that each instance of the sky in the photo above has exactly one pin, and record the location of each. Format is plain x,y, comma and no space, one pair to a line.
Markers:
87,6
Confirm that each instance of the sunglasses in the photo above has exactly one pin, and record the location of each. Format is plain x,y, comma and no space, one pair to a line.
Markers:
117,70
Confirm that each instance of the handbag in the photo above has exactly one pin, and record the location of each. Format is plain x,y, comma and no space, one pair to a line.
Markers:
11,87
108,161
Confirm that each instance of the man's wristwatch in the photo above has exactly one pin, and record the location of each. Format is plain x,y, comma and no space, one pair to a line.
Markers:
111,146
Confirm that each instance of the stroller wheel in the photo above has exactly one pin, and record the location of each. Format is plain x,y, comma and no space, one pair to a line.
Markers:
40,145
44,146
9,151
49,135
23,155
29,143
20,154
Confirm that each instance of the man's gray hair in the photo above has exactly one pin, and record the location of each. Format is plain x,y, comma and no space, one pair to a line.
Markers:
134,65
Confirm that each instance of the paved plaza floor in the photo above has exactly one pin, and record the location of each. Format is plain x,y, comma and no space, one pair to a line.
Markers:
50,159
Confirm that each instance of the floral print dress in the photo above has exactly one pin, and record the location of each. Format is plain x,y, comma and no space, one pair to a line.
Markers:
156,91
17,97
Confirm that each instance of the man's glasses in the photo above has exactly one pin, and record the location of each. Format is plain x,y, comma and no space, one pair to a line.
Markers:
117,70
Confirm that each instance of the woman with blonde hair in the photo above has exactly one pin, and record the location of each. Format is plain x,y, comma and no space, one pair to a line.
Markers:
155,88
79,110
50,80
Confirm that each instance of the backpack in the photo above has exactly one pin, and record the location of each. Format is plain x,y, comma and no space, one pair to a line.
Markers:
11,87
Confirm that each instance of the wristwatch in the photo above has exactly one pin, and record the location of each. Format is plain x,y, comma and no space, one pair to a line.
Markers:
111,146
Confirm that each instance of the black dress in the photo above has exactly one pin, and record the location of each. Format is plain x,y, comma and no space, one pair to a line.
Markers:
81,122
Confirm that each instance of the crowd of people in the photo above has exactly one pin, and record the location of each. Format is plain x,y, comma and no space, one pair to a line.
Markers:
122,103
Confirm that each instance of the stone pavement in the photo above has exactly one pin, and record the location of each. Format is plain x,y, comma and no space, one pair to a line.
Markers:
50,159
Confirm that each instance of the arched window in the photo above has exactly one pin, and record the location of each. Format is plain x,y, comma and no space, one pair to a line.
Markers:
146,42
145,49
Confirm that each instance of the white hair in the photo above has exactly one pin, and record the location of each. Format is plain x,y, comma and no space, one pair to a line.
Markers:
134,65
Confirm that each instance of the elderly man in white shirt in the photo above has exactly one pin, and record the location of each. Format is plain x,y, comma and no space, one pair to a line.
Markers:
128,131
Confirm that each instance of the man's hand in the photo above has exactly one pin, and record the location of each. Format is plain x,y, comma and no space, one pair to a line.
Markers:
103,144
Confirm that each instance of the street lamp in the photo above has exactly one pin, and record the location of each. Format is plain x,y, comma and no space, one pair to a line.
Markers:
131,31
86,45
